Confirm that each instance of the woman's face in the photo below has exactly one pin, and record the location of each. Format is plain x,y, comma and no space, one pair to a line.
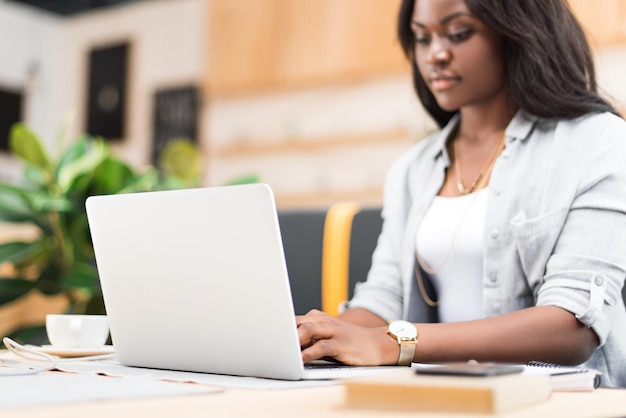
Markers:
459,57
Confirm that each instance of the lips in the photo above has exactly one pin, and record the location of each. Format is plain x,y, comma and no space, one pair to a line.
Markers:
442,82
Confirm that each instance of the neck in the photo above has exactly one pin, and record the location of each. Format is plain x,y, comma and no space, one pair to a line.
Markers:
480,123
476,145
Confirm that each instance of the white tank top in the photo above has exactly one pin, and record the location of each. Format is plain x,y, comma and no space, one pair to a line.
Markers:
450,242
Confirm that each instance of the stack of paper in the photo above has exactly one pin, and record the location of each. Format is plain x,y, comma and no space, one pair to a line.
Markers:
566,378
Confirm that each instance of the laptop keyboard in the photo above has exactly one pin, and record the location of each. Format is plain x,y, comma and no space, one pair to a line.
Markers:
321,369
327,366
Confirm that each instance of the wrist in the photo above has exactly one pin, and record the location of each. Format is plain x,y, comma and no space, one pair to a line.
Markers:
390,348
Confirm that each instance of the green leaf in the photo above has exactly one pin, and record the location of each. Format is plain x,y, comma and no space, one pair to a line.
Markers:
245,179
48,282
18,252
13,288
30,202
43,202
78,229
11,250
181,158
143,183
35,176
82,158
81,185
171,183
74,151
112,175
25,144
82,275
13,206
95,306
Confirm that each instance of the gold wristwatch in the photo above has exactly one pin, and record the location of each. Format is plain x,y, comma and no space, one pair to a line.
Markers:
406,335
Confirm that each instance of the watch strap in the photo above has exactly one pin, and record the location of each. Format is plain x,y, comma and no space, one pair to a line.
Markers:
405,334
407,351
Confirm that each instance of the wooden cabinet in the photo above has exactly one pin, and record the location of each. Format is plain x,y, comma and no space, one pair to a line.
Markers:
257,45
263,45
604,21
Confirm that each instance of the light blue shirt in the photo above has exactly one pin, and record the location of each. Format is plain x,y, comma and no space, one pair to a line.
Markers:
555,228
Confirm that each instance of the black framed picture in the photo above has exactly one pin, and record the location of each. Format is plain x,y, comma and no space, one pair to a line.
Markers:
107,91
11,102
175,115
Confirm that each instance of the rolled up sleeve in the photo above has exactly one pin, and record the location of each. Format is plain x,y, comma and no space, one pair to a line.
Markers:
585,273
586,287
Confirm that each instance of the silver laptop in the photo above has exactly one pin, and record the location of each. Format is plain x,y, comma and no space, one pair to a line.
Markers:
195,280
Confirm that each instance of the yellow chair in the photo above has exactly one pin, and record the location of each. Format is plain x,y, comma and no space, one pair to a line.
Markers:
350,236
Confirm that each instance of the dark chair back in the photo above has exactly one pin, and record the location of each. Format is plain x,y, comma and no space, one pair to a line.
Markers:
303,234
366,227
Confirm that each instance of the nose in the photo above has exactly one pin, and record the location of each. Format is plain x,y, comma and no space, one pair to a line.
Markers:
439,52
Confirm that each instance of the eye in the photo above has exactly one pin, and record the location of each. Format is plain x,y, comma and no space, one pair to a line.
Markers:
460,36
421,40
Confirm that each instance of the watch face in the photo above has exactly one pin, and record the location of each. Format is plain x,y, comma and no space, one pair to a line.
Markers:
403,329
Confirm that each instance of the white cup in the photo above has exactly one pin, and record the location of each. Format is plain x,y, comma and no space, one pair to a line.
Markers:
77,331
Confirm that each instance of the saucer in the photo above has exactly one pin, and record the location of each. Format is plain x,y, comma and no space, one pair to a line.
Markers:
76,352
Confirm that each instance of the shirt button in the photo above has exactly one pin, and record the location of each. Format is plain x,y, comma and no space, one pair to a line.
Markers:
494,233
505,153
599,280
493,277
496,192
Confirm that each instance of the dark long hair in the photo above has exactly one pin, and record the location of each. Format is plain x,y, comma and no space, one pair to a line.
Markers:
550,69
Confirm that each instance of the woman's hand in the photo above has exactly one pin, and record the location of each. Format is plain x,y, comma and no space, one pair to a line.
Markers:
325,336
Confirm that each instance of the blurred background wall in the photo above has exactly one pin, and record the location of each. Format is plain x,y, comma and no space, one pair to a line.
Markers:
313,96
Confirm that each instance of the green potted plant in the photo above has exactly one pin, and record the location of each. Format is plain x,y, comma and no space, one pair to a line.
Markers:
51,197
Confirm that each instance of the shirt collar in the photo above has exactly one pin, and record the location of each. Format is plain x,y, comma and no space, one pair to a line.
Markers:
439,145
519,128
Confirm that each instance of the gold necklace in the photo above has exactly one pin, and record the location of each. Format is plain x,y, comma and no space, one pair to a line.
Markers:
477,183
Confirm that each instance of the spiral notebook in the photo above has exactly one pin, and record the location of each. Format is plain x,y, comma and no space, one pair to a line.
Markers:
562,378
566,378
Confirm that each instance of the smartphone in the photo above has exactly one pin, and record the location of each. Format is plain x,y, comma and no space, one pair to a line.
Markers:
470,369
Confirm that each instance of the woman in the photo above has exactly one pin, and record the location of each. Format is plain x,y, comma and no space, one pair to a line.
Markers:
504,235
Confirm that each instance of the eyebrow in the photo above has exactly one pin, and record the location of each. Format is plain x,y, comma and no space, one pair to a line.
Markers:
445,20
